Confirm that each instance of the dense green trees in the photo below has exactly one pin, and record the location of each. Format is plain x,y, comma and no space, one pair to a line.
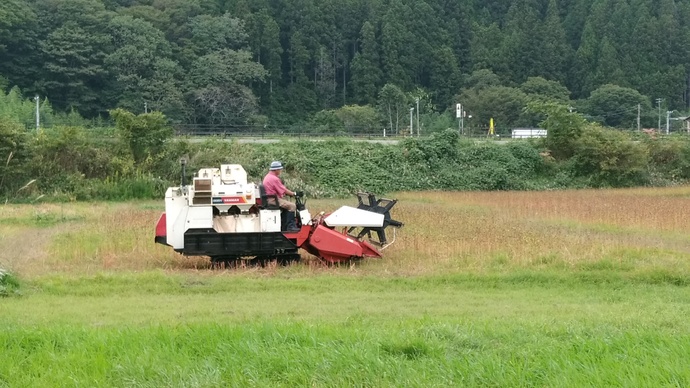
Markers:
616,106
366,71
239,62
393,106
18,43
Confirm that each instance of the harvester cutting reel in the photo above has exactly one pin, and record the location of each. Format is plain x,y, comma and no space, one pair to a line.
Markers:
368,202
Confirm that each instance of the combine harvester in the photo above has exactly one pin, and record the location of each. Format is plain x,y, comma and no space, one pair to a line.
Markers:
222,216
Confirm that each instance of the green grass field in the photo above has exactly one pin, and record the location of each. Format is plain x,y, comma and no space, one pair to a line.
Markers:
557,289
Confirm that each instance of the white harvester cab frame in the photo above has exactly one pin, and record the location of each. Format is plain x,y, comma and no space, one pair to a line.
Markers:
220,199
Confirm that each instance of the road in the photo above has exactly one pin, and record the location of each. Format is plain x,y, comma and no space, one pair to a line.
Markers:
255,140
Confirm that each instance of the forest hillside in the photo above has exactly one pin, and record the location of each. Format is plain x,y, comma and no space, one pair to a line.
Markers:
350,64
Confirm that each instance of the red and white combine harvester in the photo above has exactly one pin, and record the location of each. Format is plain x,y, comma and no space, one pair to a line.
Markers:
230,220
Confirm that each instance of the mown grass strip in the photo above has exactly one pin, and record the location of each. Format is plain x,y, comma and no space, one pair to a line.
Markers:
605,274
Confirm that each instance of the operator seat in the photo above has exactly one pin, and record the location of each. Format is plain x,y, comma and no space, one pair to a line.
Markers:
264,200
265,205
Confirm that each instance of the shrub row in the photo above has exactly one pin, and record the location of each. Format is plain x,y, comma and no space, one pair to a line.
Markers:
69,163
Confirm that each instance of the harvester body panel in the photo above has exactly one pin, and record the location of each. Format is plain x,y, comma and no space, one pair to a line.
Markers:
350,216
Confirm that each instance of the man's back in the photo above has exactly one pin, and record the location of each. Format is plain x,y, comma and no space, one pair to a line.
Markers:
273,185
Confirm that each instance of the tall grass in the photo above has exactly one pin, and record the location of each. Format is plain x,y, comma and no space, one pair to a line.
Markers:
635,232
638,230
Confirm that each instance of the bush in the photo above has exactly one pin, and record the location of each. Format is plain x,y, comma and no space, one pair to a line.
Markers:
325,122
434,152
140,186
610,158
358,119
62,157
670,156
563,128
526,156
144,134
9,285
14,154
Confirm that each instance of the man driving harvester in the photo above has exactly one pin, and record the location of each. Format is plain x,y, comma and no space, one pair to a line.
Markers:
274,186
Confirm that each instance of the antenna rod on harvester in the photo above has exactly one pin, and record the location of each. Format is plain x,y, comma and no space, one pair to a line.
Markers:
183,163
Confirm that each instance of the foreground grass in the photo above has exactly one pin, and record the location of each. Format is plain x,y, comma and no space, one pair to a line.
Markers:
587,288
417,353
224,329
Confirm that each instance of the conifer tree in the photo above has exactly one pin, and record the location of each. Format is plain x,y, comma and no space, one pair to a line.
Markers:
365,67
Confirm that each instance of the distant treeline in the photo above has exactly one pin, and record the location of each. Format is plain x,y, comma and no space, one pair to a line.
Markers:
352,64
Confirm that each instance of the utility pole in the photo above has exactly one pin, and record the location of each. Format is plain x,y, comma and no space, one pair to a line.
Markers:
411,122
417,116
668,121
658,103
38,113
146,107
639,107
460,115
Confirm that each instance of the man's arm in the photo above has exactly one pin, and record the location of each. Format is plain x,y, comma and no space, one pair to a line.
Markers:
282,190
